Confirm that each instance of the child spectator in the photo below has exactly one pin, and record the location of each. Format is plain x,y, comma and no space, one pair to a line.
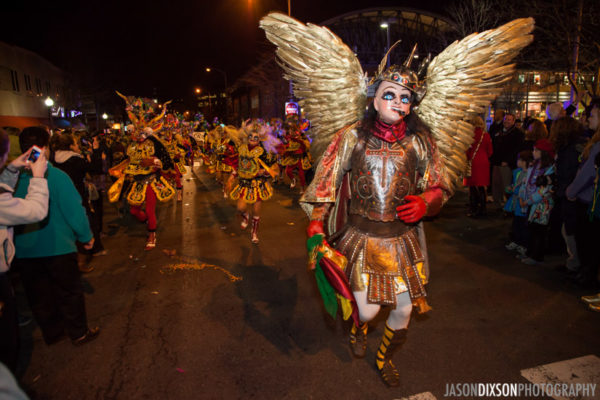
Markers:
518,233
538,196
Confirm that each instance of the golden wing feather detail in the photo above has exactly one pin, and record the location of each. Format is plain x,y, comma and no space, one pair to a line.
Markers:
462,81
326,75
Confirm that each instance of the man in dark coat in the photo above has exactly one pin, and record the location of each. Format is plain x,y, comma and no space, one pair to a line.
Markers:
507,143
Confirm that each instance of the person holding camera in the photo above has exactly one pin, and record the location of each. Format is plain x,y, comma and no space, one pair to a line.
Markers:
46,253
16,211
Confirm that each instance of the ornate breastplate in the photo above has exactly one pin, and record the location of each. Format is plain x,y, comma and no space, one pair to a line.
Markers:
248,165
138,152
382,174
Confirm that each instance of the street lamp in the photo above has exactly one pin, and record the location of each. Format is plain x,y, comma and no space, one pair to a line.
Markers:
105,116
49,103
198,90
386,26
209,69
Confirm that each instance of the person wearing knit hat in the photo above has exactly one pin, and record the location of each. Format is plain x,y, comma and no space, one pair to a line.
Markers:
545,145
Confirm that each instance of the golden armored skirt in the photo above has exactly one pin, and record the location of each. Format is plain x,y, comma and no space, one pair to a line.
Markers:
222,167
382,264
136,193
252,190
305,161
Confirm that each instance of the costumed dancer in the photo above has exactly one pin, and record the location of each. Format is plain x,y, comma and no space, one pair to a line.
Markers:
296,156
256,165
172,142
227,156
397,164
210,145
140,177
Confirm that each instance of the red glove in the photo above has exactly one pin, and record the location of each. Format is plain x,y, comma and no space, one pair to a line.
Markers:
314,228
414,209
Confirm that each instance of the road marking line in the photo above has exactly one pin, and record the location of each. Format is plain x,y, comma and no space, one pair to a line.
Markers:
577,370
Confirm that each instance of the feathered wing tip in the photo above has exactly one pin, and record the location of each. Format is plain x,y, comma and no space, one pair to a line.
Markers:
462,81
322,69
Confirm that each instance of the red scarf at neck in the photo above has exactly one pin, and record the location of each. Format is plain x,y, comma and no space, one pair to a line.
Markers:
390,133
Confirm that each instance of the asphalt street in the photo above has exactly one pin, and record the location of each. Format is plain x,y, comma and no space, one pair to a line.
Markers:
209,315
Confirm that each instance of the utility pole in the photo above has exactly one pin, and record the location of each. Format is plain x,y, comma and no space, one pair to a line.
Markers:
576,55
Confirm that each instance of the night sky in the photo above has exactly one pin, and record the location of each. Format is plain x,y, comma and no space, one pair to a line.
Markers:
136,46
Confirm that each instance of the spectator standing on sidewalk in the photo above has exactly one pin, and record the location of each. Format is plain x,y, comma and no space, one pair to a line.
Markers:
479,156
507,143
565,137
66,155
581,190
46,254
539,197
15,211
519,234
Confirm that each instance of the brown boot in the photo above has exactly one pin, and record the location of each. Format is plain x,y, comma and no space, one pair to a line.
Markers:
83,263
151,242
358,340
254,236
390,341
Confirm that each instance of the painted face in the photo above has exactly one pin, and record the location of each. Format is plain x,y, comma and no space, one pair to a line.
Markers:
392,102
253,139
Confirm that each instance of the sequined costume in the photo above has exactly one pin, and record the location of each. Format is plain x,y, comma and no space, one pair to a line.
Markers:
227,155
140,178
253,182
384,253
378,177
296,156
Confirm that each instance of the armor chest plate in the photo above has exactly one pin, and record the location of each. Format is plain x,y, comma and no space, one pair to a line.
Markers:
382,174
248,165
137,152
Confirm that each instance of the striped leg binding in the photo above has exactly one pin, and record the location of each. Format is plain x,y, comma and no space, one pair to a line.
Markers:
390,341
358,340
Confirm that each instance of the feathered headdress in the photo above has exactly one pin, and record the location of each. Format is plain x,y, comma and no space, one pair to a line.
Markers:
265,133
142,113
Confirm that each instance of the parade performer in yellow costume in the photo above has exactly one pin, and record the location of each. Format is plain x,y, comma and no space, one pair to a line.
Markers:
296,156
174,145
227,155
257,159
378,175
139,177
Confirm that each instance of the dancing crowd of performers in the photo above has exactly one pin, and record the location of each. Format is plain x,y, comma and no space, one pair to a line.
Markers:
243,160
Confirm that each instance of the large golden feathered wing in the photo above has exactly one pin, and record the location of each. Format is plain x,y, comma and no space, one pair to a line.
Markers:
326,74
461,82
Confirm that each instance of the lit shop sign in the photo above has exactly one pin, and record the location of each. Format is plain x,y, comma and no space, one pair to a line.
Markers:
75,113
291,107
58,112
